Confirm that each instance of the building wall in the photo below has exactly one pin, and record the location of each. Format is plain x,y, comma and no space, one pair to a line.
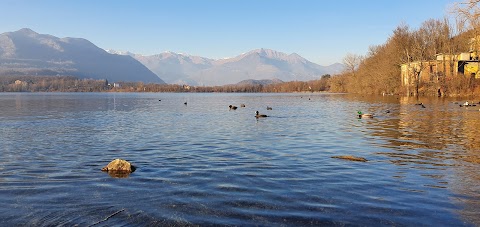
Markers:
443,66
428,71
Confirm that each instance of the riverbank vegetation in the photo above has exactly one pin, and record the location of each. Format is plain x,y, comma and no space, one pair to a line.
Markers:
379,71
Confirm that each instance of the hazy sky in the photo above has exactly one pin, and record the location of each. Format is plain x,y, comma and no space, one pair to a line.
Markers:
321,31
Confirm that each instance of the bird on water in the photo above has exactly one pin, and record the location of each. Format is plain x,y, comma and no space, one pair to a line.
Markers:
364,115
258,115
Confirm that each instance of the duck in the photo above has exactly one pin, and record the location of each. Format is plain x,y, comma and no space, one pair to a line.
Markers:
185,103
464,104
242,105
258,115
269,108
232,107
467,104
362,115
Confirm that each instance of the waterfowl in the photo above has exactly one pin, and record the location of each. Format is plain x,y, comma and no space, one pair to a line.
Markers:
467,104
420,104
185,103
362,115
269,108
242,105
258,115
232,107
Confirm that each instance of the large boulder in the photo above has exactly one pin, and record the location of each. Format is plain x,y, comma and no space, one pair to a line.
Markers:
119,166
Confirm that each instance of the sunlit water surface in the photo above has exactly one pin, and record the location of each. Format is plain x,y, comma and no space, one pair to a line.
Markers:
203,164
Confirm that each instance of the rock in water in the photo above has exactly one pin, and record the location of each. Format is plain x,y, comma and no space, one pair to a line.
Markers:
119,166
351,158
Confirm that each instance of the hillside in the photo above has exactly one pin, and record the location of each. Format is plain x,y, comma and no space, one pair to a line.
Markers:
25,52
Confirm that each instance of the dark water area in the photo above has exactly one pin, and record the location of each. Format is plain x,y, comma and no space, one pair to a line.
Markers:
203,164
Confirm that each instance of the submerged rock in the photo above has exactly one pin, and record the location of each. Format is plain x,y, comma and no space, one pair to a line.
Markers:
119,166
351,158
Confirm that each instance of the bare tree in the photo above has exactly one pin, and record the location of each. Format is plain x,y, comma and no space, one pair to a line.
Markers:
351,62
468,16
402,41
419,55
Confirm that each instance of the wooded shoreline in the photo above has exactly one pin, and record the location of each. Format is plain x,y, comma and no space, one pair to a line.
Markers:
73,84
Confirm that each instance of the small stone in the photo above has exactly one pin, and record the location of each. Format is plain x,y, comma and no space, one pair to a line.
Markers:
351,158
119,165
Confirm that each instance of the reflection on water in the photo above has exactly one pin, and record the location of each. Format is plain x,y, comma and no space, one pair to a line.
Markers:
203,164
442,136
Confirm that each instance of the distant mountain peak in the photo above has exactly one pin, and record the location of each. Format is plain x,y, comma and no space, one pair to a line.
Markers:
268,52
119,52
295,55
26,31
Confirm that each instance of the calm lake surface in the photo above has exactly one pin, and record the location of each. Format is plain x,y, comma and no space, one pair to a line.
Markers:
203,164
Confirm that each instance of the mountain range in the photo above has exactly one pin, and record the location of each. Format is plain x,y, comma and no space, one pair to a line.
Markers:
25,52
260,64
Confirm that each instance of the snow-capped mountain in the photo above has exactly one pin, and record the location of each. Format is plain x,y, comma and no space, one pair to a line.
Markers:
260,64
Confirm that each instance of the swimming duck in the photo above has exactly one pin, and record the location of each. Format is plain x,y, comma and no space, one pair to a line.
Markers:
467,104
258,115
242,105
362,115
232,107
269,108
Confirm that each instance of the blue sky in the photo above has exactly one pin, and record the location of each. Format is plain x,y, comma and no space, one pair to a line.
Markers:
321,31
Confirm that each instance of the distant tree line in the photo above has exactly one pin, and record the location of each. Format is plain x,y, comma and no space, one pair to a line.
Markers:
72,84
51,84
294,86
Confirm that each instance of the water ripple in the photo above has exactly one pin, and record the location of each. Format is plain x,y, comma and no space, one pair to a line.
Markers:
202,164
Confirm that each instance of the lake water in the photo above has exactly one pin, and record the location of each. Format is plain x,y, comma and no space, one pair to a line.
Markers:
203,164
